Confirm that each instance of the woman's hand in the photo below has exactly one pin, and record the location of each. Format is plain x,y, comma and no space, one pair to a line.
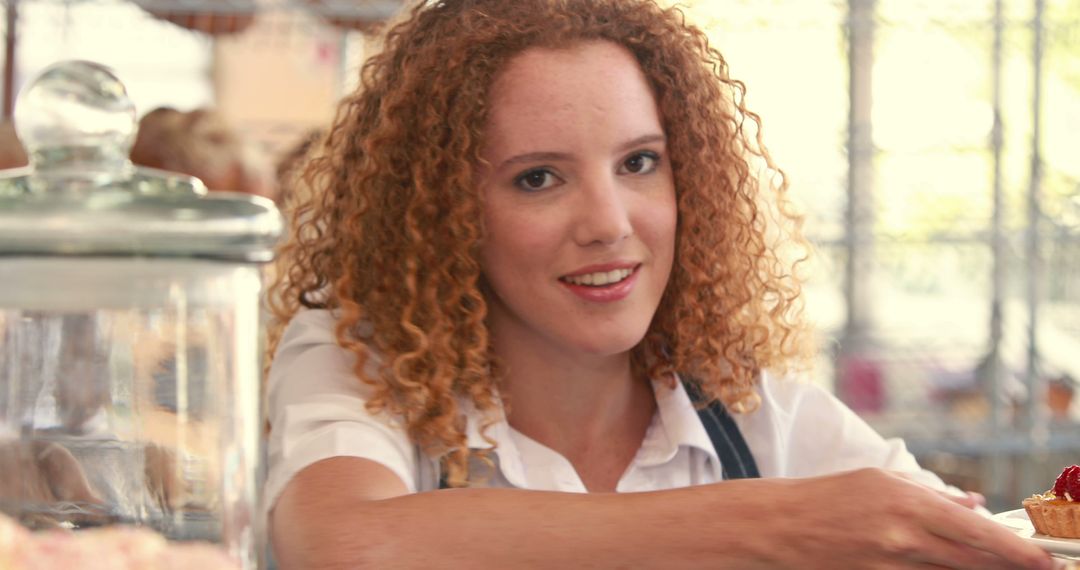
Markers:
875,519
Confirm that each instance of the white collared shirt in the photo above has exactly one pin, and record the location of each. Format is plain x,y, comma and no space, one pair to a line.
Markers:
316,407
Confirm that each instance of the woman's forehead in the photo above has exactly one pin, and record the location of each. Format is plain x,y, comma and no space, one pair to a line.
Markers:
542,92
550,59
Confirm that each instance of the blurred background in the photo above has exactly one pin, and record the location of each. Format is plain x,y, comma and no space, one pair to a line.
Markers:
934,146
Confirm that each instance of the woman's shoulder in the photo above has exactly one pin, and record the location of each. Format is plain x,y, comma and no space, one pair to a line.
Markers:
792,404
316,407
789,392
308,327
309,358
801,430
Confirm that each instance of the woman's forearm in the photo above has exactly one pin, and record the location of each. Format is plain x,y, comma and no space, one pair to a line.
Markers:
865,518
509,528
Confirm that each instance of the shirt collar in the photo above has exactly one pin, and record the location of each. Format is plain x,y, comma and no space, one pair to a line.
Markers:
675,425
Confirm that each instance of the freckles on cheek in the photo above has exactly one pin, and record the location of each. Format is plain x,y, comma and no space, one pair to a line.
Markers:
518,245
522,251
508,223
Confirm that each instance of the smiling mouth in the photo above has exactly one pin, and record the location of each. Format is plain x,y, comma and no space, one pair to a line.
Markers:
599,278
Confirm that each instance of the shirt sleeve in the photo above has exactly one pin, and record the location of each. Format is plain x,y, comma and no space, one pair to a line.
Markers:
801,430
316,408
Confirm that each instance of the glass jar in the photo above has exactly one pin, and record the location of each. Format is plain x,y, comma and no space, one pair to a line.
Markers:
129,329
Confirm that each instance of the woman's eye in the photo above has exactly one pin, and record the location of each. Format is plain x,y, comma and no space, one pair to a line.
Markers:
640,163
536,179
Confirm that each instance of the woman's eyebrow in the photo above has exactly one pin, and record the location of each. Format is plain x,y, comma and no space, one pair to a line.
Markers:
550,156
542,156
643,140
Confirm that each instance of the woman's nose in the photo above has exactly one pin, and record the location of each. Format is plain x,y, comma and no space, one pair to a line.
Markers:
604,213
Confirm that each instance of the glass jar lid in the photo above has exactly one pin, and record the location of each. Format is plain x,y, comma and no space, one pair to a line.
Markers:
82,196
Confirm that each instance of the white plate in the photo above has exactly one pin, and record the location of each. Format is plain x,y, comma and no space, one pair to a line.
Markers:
1018,521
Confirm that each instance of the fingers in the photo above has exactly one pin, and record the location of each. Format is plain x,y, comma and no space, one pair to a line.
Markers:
956,521
1062,564
967,499
913,525
938,551
908,546
968,529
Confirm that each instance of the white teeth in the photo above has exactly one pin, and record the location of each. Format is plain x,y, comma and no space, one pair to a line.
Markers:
599,279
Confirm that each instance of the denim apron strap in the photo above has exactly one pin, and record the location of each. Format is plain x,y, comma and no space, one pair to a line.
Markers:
736,461
443,484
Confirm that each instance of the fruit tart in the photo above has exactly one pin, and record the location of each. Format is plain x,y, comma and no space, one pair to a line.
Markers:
1057,511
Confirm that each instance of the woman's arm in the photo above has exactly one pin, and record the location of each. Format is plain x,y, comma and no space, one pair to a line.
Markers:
355,513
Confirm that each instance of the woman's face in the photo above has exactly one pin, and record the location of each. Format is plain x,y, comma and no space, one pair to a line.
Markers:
580,202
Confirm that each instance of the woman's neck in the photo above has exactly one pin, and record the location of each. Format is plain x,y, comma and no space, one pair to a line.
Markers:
582,406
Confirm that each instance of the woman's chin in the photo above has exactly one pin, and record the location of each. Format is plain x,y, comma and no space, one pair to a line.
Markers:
610,344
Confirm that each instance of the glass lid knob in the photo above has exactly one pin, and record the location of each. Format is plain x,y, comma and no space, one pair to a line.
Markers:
76,120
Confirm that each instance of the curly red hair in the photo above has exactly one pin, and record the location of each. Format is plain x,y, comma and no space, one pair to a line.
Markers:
389,236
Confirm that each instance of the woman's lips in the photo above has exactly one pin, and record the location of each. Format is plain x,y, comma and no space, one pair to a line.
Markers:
608,292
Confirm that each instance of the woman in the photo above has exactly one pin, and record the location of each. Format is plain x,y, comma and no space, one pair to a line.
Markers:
530,218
